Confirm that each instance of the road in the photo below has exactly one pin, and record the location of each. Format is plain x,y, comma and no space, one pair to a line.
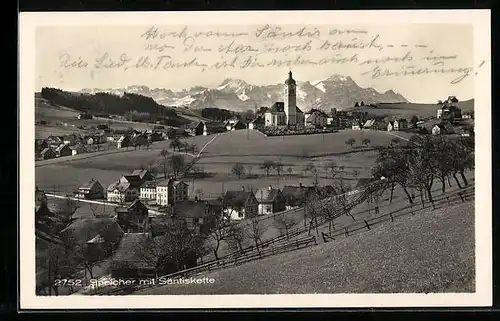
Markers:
150,211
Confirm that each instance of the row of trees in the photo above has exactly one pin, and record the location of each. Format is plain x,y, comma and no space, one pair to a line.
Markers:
423,161
351,141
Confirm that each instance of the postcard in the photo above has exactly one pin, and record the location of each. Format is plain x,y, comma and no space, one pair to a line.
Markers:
274,159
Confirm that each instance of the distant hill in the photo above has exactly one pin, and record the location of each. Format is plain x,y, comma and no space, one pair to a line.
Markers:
232,94
134,107
407,109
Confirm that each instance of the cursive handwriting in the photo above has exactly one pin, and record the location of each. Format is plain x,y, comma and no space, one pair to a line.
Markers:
372,54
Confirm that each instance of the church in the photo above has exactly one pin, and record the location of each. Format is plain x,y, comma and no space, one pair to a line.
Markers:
286,113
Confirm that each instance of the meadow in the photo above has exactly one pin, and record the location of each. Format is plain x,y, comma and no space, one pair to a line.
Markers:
429,252
63,121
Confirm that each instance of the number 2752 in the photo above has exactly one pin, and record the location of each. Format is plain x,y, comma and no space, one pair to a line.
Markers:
68,282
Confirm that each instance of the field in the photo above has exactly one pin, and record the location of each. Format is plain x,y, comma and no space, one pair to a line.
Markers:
407,110
429,252
62,121
67,174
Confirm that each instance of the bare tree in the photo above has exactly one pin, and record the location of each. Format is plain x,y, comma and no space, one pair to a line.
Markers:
366,141
177,163
331,167
267,166
235,236
278,167
218,233
350,142
238,169
284,223
176,247
421,165
254,231
164,162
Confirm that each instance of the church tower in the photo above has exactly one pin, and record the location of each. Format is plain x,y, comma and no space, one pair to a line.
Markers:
290,100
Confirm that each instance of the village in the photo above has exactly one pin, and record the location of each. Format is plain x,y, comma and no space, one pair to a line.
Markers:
153,210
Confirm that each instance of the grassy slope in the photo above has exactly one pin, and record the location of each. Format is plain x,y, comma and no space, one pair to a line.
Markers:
429,252
60,114
409,109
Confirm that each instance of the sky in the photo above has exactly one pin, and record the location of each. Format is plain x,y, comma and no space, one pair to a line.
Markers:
58,50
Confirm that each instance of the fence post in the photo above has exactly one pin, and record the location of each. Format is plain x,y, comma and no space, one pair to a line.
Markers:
392,218
368,226
314,238
323,236
346,231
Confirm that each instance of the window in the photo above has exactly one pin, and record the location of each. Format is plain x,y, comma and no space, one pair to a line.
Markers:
240,214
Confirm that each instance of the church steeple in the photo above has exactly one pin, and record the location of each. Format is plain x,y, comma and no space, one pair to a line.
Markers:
290,79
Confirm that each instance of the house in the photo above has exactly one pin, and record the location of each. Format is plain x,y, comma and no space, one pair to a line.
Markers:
85,116
86,229
271,200
127,189
213,128
147,192
296,196
390,126
442,129
102,126
63,150
256,123
356,126
48,153
130,259
238,205
451,100
400,124
369,124
155,137
196,129
123,141
315,118
144,175
198,215
78,149
91,190
234,124
132,218
449,112
170,191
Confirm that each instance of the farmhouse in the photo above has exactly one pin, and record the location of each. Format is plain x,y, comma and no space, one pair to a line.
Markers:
390,126
256,123
286,113
238,205
369,124
356,126
315,118
123,141
400,124
78,149
198,215
86,229
196,129
63,150
295,196
213,128
442,129
132,218
91,190
85,116
48,153
234,124
143,174
271,200
129,261
449,112
170,191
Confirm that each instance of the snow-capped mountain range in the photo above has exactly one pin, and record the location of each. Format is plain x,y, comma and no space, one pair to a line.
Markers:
234,94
